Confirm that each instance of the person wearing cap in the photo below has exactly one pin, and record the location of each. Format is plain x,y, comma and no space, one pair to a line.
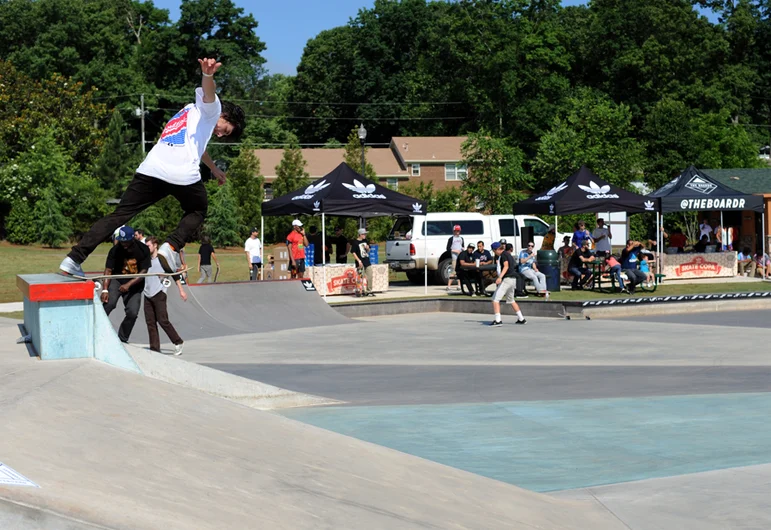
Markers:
602,237
295,245
577,266
253,249
360,251
506,285
128,256
205,255
466,259
455,246
548,239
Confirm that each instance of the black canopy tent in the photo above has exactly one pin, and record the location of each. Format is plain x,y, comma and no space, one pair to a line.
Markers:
585,192
695,190
346,193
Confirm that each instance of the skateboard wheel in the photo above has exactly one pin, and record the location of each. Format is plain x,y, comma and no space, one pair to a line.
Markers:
97,286
166,282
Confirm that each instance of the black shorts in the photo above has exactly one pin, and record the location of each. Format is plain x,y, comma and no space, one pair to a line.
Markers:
299,265
258,265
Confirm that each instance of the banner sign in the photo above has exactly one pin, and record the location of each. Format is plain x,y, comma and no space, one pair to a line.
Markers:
677,298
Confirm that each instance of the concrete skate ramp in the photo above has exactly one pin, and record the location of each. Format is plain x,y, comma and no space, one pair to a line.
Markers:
224,309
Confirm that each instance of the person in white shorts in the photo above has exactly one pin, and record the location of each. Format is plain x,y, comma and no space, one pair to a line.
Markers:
506,285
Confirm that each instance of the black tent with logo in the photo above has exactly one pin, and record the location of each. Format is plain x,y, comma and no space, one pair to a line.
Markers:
585,192
346,193
695,190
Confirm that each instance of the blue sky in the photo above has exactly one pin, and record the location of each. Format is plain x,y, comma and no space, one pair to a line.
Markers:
286,25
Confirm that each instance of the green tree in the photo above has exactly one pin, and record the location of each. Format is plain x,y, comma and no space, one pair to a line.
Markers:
159,219
246,182
53,227
117,160
446,200
222,223
20,224
495,177
352,155
290,176
43,164
595,132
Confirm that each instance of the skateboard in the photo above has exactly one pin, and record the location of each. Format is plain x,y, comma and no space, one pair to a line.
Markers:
97,279
360,288
216,274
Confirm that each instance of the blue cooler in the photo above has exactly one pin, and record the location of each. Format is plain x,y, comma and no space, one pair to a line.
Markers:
373,257
309,252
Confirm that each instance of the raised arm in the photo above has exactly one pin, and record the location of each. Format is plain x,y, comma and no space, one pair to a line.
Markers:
209,67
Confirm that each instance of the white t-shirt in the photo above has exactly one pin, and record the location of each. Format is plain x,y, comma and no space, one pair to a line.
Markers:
254,248
705,229
153,284
177,155
602,245
457,243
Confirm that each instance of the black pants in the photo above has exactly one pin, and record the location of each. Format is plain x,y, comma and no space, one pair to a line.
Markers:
520,281
635,277
141,193
465,280
131,302
157,314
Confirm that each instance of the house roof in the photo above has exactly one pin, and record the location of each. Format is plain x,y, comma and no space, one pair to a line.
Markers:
427,149
751,181
320,161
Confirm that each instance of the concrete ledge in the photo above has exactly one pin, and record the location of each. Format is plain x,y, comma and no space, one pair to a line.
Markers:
707,306
220,384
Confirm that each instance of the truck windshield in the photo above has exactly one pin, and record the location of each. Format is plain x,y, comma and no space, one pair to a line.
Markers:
401,228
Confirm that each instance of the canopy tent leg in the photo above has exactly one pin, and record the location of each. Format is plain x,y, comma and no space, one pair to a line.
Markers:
425,254
657,257
262,247
723,230
323,252
763,221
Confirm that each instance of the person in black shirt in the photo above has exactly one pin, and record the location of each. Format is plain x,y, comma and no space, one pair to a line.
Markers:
128,256
360,251
205,255
465,259
577,266
314,238
506,285
521,291
342,246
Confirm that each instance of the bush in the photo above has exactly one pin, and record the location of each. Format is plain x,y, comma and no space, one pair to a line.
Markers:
53,227
20,224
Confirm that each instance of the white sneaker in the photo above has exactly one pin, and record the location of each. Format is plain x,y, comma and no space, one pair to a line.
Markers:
547,296
71,267
169,258
178,348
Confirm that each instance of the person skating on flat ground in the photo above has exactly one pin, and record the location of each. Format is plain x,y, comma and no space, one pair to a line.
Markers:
171,168
506,285
156,312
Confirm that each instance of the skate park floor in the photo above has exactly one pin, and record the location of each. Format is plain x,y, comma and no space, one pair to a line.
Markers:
633,423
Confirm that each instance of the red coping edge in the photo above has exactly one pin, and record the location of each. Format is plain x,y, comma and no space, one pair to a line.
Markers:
56,292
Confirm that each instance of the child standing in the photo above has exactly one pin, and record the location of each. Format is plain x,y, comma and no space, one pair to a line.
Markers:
155,303
649,278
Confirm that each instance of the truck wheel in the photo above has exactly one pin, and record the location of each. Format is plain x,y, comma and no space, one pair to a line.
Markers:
415,277
444,271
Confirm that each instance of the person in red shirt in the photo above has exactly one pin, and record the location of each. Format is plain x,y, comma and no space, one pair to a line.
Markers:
677,240
295,244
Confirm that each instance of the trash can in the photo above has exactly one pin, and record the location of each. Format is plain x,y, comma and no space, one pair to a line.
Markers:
549,264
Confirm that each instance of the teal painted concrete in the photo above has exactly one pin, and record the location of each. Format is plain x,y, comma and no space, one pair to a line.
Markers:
61,330
107,346
556,445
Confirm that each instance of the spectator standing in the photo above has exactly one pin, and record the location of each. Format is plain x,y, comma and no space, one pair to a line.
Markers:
455,246
205,255
128,256
705,230
466,259
295,245
156,311
139,235
521,291
360,251
314,238
602,237
577,266
342,245
529,269
171,168
506,285
630,257
645,269
580,235
548,239
745,261
678,240
566,249
253,249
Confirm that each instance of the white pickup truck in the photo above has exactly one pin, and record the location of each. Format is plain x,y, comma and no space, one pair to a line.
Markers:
407,243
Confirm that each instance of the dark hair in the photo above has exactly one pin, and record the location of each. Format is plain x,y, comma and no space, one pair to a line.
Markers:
509,247
746,250
139,231
234,115
205,240
151,239
313,229
480,242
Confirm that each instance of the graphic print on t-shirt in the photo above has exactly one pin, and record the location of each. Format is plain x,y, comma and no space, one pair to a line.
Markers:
130,266
174,132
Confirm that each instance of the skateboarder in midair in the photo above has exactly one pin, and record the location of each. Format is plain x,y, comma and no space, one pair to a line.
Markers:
156,312
127,256
171,168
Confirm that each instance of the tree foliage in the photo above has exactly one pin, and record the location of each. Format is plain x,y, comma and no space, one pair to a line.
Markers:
222,223
246,182
53,227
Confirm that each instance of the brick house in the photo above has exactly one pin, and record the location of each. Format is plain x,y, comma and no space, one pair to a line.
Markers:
433,159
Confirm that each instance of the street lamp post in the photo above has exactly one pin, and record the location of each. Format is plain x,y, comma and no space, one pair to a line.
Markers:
362,137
